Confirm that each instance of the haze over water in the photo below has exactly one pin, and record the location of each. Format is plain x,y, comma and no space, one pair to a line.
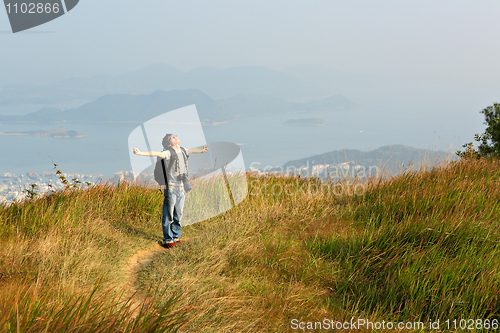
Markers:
265,141
420,71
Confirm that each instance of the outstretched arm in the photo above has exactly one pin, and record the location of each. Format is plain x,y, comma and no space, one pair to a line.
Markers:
197,150
150,153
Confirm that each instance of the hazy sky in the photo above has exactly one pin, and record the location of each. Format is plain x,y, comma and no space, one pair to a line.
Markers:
440,41
446,51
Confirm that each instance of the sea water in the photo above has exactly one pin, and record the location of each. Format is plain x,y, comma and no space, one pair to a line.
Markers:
264,140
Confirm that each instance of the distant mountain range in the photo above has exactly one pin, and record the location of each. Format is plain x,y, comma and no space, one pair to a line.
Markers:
140,108
218,84
378,89
393,158
333,80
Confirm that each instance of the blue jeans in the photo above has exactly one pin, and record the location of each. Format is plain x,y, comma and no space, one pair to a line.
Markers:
173,204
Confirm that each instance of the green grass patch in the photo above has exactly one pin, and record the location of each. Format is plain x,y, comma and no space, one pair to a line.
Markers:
420,246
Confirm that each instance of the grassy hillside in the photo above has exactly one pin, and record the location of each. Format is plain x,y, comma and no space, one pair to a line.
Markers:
419,247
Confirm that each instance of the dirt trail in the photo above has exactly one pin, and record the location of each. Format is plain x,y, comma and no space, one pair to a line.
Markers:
135,264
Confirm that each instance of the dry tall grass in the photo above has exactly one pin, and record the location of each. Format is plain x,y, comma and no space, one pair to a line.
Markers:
404,248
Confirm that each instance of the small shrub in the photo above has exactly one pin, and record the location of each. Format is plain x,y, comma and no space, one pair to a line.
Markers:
489,140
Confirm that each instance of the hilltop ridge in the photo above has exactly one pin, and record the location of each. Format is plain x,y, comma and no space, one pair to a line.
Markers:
294,249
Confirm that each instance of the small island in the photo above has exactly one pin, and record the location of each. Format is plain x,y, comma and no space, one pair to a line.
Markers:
58,133
208,122
305,122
